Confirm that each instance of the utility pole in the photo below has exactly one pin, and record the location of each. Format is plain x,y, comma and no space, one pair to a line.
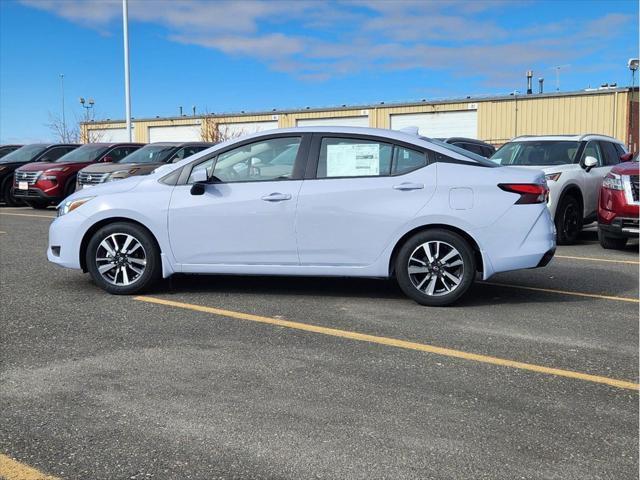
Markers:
127,93
64,122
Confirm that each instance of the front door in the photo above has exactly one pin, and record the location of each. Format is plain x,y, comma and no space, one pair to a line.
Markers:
593,178
247,212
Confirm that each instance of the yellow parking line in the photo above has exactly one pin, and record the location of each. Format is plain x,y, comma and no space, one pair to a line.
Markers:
27,215
11,469
594,259
564,292
393,342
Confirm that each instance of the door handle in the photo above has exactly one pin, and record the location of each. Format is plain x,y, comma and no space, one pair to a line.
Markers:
408,186
276,197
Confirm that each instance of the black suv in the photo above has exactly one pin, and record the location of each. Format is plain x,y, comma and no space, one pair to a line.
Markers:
472,145
6,149
35,152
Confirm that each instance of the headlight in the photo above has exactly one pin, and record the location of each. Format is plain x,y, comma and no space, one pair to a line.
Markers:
613,182
553,176
71,205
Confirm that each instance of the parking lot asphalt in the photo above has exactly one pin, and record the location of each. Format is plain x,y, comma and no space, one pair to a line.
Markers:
282,378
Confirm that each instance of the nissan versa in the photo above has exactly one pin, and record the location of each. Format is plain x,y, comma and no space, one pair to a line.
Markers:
321,201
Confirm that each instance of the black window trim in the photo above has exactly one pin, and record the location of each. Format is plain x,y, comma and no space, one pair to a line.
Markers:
298,165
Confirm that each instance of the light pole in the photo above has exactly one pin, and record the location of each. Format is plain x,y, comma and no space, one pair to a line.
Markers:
64,122
87,105
633,66
127,93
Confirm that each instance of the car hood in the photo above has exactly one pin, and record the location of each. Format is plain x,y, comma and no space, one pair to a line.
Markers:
108,188
41,166
547,169
627,168
115,167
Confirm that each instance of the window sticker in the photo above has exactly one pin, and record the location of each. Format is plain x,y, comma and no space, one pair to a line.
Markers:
353,160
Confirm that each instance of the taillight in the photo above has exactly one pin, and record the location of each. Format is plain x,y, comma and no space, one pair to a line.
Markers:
529,192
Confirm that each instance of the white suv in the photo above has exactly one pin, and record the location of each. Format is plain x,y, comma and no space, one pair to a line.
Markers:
574,165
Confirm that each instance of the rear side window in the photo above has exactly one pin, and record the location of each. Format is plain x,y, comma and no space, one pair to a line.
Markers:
611,156
406,160
340,157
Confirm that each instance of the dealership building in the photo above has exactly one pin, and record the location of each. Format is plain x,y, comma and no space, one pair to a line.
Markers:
607,110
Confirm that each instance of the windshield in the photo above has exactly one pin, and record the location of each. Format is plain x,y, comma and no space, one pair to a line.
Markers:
85,153
23,154
536,153
150,154
473,156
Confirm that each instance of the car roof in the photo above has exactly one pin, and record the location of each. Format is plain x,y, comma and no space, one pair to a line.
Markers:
466,140
571,138
111,144
180,144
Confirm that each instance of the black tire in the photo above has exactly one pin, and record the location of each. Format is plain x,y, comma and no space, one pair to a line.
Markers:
568,221
611,243
414,286
150,252
70,187
38,205
7,195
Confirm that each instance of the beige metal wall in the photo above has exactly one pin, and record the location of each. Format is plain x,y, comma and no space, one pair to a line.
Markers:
498,120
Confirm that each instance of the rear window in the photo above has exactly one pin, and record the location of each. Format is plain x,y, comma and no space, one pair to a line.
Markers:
536,153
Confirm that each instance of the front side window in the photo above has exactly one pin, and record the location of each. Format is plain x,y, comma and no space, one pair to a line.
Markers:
187,152
593,150
272,159
536,153
150,154
340,157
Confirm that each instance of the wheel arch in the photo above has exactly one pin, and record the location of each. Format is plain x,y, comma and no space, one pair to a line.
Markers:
102,223
573,190
472,242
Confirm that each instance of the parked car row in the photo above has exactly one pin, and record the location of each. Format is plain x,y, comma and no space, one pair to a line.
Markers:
41,175
575,167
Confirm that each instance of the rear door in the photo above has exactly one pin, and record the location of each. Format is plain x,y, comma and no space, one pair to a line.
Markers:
358,192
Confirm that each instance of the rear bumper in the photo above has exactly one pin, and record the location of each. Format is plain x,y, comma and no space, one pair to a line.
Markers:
621,227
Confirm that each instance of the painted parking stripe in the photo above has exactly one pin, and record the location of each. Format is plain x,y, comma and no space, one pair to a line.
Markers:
563,292
11,469
27,215
394,342
594,259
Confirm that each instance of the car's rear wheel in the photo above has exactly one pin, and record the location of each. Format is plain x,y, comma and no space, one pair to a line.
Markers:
568,221
609,242
123,258
435,267
7,195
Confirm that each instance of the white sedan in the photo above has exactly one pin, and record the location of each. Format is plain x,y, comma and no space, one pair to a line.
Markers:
319,201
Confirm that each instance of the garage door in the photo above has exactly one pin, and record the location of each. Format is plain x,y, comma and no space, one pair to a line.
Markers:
359,121
440,124
111,135
235,130
175,133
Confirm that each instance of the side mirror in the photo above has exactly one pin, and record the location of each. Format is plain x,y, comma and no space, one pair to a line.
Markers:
199,178
106,159
626,157
590,162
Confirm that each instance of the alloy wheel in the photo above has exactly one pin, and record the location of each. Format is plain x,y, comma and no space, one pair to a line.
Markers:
436,268
121,259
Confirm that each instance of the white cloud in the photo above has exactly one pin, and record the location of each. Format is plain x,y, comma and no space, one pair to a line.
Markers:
345,37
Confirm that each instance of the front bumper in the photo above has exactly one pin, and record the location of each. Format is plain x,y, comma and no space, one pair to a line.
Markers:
36,194
621,227
65,237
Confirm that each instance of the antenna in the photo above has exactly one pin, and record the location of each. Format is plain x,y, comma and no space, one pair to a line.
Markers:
557,68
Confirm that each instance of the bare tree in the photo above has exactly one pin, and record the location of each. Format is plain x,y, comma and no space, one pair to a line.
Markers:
76,131
214,132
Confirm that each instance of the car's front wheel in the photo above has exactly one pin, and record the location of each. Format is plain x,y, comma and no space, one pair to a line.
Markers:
568,221
7,195
435,267
609,242
123,258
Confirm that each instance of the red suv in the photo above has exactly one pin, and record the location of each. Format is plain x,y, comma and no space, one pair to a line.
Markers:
618,205
43,184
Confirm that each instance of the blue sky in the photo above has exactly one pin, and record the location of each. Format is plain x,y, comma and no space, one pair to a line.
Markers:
228,56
